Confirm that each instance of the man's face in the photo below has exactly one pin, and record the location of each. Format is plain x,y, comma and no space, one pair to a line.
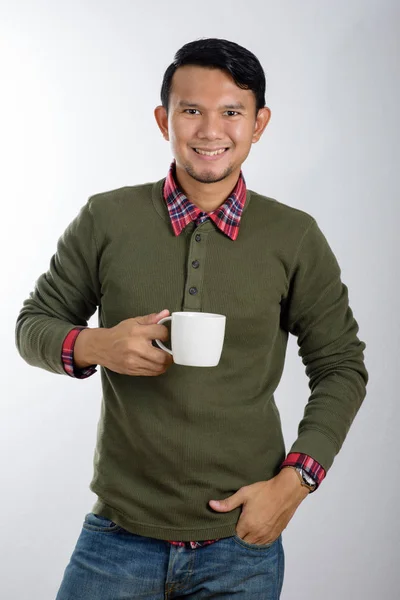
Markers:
208,112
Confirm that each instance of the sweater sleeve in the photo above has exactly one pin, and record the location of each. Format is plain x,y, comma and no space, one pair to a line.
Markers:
316,310
64,297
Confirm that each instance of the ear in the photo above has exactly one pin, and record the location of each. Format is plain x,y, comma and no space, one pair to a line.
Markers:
162,120
262,120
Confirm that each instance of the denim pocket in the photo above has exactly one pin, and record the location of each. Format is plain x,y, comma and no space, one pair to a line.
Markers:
241,542
95,522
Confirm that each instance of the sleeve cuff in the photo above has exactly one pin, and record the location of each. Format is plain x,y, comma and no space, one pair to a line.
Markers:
68,357
308,464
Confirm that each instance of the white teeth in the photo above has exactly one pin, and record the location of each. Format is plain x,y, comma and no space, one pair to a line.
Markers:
210,153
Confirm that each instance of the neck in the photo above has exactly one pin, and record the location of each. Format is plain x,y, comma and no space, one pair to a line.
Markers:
206,196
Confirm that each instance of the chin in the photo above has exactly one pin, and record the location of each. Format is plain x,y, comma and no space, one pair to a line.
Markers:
209,174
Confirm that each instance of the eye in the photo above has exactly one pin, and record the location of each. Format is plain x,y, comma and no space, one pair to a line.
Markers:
186,109
233,111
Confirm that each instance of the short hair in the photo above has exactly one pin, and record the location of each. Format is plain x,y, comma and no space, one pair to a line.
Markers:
214,53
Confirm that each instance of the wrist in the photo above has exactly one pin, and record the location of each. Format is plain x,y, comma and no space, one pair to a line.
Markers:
290,480
88,348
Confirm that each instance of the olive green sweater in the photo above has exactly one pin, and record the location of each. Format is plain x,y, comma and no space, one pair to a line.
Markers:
168,444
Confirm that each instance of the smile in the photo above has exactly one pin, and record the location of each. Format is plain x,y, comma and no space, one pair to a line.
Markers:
210,154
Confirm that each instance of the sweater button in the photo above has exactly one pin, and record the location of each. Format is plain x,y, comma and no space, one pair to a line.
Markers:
195,264
193,291
197,237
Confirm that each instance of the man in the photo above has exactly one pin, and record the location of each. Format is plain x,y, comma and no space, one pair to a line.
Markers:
175,440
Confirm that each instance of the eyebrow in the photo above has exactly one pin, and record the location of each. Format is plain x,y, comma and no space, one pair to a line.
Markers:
238,105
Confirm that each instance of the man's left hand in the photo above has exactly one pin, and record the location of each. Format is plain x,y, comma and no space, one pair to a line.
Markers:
268,506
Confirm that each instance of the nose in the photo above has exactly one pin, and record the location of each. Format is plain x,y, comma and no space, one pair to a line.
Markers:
210,127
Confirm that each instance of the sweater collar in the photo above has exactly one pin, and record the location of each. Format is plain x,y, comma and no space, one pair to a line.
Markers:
182,211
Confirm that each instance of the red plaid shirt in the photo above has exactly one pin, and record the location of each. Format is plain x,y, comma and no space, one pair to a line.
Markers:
227,218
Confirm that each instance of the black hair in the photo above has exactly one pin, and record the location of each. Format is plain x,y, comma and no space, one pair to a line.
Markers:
214,53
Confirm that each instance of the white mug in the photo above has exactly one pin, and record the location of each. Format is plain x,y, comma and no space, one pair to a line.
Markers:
196,338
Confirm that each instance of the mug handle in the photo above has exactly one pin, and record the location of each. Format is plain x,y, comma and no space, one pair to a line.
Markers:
159,342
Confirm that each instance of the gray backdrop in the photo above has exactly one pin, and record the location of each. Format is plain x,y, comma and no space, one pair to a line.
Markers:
80,81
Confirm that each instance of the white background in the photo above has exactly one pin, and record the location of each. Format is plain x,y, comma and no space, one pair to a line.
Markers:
79,82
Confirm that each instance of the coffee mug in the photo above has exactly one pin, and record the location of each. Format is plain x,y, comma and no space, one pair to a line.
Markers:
196,338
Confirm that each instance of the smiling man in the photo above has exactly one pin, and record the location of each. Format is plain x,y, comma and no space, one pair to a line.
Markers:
211,124
194,485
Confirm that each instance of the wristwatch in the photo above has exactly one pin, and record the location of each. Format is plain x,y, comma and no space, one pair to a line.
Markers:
305,479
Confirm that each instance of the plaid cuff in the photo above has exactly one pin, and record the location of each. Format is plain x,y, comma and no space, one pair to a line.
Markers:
67,356
308,464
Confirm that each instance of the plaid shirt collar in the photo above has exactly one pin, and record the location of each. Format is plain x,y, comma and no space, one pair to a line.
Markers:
182,211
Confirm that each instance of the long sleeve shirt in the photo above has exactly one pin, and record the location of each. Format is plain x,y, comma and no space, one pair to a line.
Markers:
166,445
227,218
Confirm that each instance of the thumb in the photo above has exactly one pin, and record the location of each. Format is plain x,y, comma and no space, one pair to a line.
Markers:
229,503
152,318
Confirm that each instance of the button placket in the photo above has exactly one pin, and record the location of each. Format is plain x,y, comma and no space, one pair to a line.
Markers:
195,271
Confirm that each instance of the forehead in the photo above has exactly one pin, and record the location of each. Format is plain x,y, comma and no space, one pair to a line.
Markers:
207,86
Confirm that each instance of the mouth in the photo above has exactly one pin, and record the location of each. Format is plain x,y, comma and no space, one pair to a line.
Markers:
210,154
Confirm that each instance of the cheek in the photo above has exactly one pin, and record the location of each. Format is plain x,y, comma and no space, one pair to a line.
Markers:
182,132
240,133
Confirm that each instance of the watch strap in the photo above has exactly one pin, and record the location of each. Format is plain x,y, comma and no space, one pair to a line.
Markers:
304,478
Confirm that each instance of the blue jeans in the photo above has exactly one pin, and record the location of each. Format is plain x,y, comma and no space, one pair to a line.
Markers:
109,563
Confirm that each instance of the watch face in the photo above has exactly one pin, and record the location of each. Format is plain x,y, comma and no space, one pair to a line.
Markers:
306,478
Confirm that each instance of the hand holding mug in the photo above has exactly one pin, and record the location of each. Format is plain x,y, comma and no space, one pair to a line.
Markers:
125,348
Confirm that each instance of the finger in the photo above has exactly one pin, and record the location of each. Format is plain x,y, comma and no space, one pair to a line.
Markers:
227,504
149,319
153,332
242,533
148,367
156,356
